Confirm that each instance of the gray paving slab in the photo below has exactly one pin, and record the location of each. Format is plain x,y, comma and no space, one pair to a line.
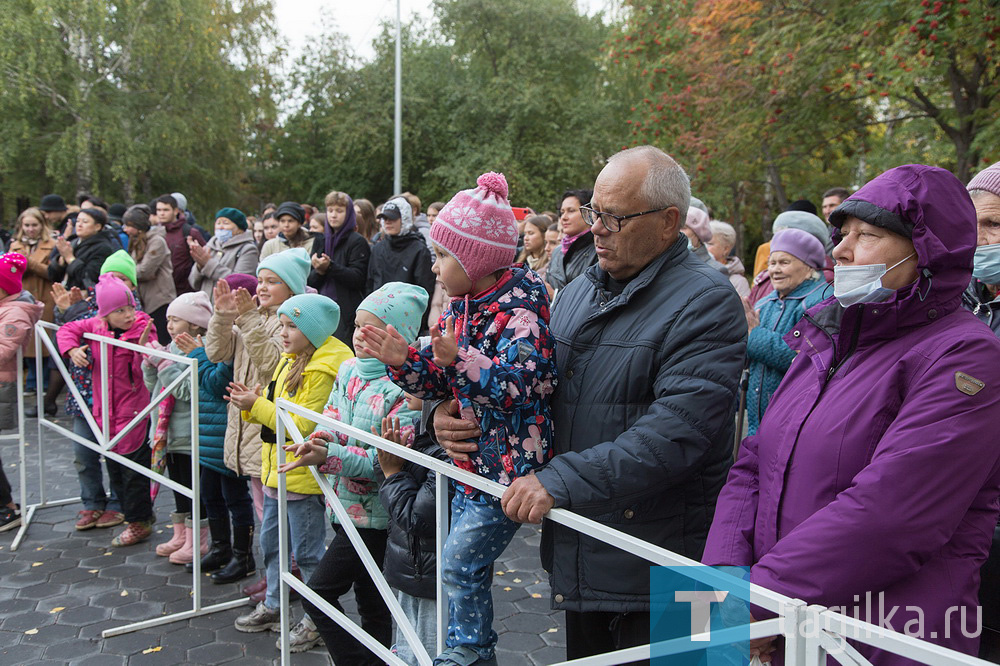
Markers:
63,588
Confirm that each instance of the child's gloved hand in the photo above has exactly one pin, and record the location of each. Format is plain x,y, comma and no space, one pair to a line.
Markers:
387,346
444,345
80,356
242,396
312,452
187,344
389,462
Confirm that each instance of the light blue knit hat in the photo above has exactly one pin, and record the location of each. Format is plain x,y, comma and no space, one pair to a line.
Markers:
315,315
292,266
399,304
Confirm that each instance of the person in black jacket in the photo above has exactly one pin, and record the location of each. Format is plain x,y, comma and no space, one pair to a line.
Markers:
401,255
340,259
408,492
80,258
650,346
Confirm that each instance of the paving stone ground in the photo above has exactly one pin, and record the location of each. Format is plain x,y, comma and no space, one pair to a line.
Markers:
62,588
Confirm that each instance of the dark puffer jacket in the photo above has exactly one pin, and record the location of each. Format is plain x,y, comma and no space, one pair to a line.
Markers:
402,258
564,268
213,378
408,496
90,254
644,418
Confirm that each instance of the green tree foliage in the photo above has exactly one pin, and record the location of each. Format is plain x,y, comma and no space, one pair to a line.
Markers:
767,102
130,98
516,86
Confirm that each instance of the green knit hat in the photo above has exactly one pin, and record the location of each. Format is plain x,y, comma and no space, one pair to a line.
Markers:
292,266
235,215
317,316
399,304
121,262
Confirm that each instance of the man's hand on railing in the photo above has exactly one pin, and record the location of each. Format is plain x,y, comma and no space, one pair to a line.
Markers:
386,345
312,452
453,433
389,462
526,500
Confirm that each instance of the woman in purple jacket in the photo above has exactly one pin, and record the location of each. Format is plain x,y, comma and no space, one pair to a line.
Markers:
876,469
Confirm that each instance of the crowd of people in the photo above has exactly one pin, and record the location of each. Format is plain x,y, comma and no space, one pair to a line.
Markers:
604,358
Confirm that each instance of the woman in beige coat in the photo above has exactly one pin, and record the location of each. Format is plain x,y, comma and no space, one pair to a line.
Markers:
33,239
154,267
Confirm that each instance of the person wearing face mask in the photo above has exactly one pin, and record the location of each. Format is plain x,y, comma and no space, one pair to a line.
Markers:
231,250
875,469
982,299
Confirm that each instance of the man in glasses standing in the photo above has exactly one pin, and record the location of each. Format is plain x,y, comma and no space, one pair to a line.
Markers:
650,346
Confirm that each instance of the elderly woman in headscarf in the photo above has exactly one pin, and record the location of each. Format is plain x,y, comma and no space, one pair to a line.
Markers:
340,262
793,265
875,472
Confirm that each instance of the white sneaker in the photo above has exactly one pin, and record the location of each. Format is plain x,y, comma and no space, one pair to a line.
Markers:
303,636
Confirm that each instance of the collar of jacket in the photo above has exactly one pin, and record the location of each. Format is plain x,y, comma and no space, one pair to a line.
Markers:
800,292
669,258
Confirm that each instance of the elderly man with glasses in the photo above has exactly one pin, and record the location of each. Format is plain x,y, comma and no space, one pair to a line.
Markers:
650,347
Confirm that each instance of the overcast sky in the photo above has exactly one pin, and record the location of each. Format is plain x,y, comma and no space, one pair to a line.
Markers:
358,20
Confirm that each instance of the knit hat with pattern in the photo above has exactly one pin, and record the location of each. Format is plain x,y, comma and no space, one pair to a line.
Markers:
478,228
399,304
12,267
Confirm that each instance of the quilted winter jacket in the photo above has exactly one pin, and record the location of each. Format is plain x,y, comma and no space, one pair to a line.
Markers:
127,394
251,342
213,411
362,403
318,379
503,376
409,497
648,384
18,314
159,373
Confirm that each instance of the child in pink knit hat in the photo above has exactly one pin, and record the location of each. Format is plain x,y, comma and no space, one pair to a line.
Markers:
492,351
127,395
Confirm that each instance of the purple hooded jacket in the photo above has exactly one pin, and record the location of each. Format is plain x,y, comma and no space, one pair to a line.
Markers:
875,468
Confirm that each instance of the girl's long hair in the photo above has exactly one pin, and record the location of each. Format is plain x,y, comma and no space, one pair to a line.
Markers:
293,380
39,216
541,223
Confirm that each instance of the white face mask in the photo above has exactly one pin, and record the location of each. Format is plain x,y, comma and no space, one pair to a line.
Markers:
862,284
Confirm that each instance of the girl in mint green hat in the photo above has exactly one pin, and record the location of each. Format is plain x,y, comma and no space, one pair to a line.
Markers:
362,397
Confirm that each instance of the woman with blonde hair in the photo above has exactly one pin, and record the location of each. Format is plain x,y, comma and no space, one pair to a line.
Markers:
33,239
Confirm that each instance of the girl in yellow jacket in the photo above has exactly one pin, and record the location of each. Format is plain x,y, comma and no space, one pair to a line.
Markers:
305,375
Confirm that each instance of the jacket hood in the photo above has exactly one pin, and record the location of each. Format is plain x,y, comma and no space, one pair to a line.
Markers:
937,207
405,212
735,267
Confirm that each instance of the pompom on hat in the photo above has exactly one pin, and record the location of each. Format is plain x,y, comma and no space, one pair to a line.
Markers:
112,294
478,228
315,315
12,267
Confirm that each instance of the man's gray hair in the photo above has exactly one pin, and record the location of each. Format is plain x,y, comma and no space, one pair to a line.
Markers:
665,184
725,231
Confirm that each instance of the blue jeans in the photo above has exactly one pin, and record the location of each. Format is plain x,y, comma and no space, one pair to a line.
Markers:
480,532
306,533
88,468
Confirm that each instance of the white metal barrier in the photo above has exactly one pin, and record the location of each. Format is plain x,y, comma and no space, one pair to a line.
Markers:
811,633
103,446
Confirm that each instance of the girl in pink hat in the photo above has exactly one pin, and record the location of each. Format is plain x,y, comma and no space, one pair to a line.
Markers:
493,352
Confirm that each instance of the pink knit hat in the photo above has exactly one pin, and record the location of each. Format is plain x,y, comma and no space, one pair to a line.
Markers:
112,294
193,307
12,266
988,180
478,228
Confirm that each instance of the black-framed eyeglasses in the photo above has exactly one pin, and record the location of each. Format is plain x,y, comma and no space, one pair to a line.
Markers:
612,222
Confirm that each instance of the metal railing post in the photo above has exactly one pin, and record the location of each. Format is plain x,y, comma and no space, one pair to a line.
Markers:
279,441
443,510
